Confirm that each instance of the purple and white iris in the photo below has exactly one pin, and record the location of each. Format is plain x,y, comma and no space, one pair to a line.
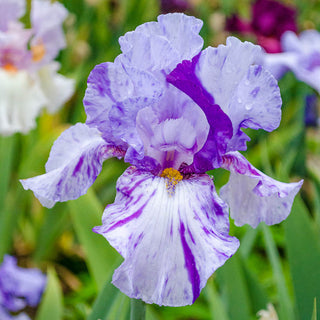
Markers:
301,55
28,75
19,288
173,111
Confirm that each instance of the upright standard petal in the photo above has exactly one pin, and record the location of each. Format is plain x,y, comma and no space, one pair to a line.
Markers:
113,98
160,46
245,91
173,236
74,163
254,197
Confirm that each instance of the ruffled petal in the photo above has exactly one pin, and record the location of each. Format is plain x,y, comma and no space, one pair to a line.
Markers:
161,45
57,88
113,98
254,197
172,238
256,104
74,163
20,286
20,103
221,69
173,130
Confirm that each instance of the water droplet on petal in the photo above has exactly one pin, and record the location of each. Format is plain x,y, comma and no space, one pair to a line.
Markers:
248,106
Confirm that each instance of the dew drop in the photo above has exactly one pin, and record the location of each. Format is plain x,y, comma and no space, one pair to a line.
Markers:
248,106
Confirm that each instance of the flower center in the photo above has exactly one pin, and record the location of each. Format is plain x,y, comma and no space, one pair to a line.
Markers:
38,51
9,67
172,177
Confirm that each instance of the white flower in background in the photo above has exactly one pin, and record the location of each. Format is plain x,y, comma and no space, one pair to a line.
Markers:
269,314
28,73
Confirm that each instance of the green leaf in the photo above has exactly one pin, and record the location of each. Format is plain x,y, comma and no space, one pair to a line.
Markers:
232,281
303,250
285,304
314,313
51,307
216,306
104,301
137,310
86,213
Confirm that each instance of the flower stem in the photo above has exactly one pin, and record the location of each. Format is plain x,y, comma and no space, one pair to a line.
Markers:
138,310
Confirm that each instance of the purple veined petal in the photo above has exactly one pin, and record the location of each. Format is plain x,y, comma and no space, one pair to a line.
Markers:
20,286
256,104
171,240
74,163
254,197
173,130
47,19
221,69
161,45
114,96
184,78
11,10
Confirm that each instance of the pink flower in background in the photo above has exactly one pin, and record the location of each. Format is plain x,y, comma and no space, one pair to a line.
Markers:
28,73
270,19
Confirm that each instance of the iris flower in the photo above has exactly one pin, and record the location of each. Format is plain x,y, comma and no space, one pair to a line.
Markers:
300,54
173,111
269,20
28,72
19,288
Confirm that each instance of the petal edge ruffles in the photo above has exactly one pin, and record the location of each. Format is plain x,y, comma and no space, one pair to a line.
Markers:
254,197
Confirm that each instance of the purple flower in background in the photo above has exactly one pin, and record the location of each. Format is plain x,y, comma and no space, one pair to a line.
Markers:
311,113
28,75
167,6
19,288
173,111
301,55
270,19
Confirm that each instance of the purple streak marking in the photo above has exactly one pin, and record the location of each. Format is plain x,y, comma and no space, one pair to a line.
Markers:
133,216
194,277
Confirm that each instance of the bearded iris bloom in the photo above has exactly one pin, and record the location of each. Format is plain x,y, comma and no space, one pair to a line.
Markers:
301,55
28,72
173,111
19,288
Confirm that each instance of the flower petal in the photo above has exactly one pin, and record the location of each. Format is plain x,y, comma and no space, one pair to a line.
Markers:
254,197
161,45
173,130
256,104
172,239
184,78
74,163
221,69
20,286
11,10
57,88
47,18
20,103
114,96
